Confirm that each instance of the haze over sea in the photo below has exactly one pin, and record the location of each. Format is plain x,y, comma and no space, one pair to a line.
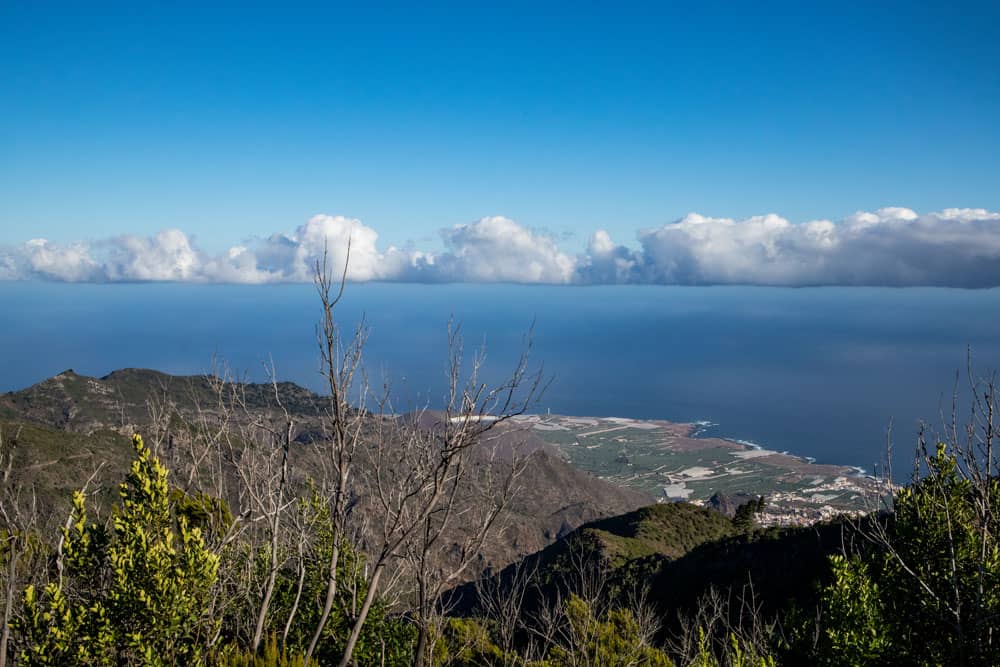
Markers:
815,371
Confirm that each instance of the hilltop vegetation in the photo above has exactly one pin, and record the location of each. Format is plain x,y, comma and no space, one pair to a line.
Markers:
81,404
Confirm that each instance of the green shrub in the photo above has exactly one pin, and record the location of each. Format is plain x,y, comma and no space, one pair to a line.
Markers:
929,592
271,655
135,593
613,641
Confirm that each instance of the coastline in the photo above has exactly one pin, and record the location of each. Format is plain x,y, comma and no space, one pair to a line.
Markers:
674,461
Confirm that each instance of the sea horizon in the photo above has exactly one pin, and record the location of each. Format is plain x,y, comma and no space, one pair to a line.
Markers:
818,372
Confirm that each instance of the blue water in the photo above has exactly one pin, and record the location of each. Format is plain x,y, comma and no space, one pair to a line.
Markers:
818,372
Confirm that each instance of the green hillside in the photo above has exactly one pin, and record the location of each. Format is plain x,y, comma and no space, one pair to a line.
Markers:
668,530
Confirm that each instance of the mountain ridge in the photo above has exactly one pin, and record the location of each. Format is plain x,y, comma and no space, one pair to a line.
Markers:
70,424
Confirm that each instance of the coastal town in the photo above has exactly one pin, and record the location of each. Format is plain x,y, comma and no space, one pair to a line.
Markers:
674,462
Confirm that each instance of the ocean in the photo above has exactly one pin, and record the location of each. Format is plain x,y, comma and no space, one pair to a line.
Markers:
818,372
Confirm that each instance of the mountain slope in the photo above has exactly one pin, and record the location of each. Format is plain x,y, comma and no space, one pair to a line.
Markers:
613,553
71,424
122,398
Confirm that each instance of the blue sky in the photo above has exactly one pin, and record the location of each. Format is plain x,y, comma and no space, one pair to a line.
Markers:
239,121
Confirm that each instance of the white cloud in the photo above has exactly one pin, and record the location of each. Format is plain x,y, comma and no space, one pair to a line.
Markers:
497,249
71,263
891,246
606,262
170,255
292,258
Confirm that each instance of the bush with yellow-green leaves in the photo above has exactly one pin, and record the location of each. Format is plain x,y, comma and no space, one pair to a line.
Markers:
136,592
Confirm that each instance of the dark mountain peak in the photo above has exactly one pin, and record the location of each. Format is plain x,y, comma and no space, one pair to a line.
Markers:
73,402
55,401
57,380
136,374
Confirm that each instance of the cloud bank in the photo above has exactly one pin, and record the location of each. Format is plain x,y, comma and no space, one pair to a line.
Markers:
891,247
